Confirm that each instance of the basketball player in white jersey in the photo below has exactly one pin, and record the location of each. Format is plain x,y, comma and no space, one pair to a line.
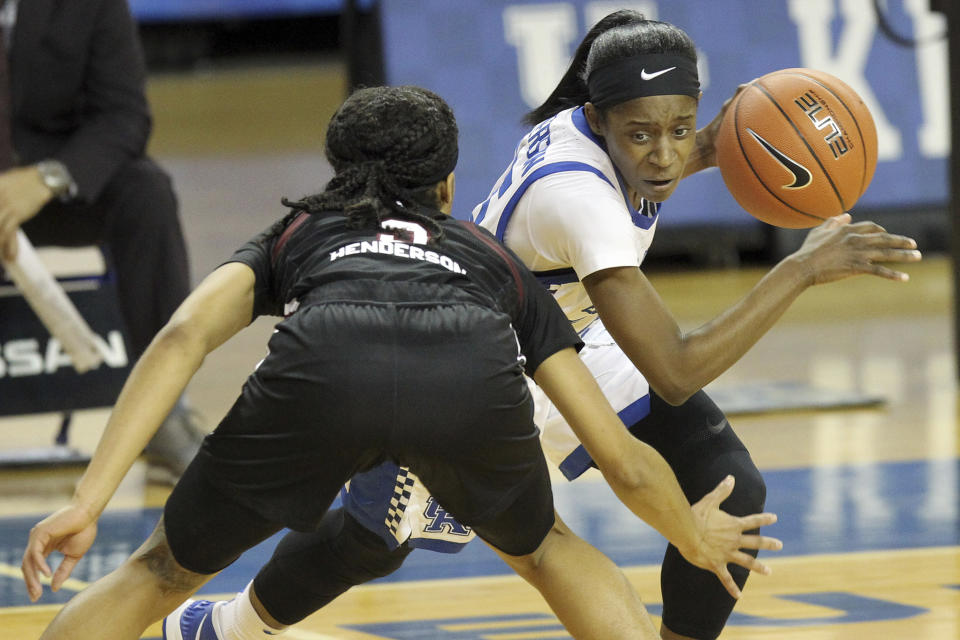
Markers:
579,205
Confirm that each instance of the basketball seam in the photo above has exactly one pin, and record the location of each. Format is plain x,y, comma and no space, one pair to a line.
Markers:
809,147
856,123
746,158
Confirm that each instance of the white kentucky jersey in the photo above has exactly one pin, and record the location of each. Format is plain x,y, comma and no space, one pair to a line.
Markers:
624,386
563,208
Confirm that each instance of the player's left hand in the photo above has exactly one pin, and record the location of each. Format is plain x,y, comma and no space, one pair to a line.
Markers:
71,531
722,537
704,153
22,195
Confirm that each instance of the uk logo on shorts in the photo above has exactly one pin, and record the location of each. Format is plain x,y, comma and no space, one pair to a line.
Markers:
441,521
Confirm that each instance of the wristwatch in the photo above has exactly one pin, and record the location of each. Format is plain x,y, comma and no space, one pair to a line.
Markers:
57,178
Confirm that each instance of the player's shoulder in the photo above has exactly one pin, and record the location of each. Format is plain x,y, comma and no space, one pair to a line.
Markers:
574,196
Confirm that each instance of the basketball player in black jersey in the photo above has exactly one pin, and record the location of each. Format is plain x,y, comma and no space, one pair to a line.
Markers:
406,338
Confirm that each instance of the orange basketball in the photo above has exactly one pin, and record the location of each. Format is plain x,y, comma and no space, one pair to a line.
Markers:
796,147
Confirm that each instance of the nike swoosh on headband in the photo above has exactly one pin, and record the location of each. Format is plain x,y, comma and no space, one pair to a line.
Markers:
801,175
650,76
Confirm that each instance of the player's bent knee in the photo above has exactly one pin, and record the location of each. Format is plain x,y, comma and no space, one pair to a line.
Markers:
750,492
157,558
528,565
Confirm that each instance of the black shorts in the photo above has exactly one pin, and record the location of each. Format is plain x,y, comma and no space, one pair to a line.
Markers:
438,388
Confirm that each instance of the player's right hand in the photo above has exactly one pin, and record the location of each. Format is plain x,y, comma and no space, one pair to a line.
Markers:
71,531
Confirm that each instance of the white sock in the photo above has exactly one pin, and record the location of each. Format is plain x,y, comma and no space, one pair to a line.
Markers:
238,620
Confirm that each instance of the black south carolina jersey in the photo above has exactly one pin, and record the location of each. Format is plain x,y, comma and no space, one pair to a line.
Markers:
396,349
305,259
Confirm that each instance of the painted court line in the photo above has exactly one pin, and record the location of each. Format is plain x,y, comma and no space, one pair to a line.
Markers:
70,584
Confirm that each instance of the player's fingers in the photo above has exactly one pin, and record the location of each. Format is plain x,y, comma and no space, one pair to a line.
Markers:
866,226
896,255
63,572
747,561
30,579
34,564
37,555
757,520
886,240
32,582
721,492
751,541
838,220
728,582
886,273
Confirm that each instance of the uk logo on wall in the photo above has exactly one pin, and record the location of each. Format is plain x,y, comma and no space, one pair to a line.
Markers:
496,60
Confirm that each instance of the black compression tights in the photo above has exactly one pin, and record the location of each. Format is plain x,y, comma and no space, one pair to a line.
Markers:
308,570
702,449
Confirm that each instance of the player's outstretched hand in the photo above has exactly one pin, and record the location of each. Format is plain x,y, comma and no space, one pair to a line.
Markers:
722,537
839,249
71,531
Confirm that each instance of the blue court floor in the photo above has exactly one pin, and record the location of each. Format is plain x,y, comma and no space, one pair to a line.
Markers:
825,510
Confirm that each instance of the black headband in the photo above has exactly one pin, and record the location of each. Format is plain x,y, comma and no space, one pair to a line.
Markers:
651,74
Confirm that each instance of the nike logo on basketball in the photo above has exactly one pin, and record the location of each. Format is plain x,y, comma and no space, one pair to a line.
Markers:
650,76
801,175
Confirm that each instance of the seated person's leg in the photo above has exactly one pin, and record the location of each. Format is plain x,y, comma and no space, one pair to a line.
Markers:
143,236
144,240
136,222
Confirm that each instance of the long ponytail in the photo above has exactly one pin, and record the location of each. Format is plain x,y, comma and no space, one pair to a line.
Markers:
571,91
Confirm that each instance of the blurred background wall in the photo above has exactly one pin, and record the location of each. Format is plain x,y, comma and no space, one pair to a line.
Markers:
263,76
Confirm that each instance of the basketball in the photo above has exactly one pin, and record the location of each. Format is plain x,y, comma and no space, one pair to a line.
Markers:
796,147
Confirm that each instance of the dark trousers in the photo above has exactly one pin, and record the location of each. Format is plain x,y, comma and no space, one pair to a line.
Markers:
136,222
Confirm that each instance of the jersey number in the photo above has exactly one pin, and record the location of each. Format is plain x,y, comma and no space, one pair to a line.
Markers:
410,232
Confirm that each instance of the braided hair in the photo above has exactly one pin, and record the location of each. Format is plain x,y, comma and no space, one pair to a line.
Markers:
618,35
389,147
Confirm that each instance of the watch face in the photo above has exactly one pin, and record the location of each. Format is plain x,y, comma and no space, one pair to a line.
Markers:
54,177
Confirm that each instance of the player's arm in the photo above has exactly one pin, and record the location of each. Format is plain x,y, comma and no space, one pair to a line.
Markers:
644,482
676,363
217,309
220,307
